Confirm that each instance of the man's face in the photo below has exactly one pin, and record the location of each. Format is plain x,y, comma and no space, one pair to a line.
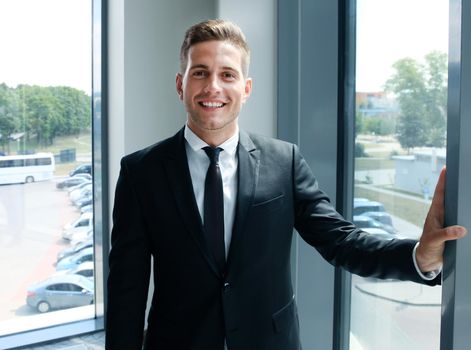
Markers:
213,88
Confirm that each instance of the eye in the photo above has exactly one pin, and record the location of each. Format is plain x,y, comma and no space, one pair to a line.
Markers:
229,76
200,74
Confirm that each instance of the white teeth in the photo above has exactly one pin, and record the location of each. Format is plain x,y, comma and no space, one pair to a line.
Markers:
212,104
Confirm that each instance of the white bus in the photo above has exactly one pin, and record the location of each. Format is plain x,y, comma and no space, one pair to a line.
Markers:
26,168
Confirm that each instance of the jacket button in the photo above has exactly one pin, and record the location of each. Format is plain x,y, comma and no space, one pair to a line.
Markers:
226,286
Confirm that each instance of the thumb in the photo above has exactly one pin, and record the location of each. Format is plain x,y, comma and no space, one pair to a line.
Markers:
441,235
454,232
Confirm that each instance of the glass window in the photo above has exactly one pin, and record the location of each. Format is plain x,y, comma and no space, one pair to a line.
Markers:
43,161
85,273
400,134
86,258
83,223
58,287
45,124
73,287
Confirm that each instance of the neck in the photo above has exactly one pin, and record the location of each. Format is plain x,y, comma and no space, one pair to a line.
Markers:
214,138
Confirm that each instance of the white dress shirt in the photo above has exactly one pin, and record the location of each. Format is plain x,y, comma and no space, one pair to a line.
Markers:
198,162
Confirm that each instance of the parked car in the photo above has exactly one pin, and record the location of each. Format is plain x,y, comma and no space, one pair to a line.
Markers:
83,224
378,232
85,269
363,206
69,182
82,239
382,217
60,292
81,169
81,236
74,249
87,208
81,192
74,260
363,222
86,200
84,175
79,186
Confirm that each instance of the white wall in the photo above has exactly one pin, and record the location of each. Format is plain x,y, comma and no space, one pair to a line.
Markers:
116,89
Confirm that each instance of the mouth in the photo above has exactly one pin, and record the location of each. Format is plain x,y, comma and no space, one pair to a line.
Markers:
212,105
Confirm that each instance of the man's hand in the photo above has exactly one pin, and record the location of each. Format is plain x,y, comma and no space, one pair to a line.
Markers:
429,253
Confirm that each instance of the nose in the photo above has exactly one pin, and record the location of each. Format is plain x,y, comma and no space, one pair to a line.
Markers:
212,85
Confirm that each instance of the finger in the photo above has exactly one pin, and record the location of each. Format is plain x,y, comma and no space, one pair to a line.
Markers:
455,232
445,234
439,194
436,215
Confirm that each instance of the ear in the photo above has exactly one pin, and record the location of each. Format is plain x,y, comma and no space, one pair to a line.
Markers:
179,85
248,89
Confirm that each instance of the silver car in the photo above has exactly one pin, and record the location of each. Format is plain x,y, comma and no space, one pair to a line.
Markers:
60,292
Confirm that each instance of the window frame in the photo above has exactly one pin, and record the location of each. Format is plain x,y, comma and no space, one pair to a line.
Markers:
307,103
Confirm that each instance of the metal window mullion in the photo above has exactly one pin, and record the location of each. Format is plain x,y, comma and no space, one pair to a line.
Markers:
345,161
456,294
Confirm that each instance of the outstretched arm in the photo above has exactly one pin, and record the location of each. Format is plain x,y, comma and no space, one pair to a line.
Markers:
429,252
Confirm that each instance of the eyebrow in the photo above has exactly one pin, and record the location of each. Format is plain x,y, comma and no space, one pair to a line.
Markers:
196,66
230,68
203,66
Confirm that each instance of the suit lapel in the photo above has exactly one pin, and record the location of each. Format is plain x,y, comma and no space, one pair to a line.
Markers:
180,180
248,168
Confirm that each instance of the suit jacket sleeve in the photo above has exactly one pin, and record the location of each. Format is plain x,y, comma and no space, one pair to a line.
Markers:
129,268
339,241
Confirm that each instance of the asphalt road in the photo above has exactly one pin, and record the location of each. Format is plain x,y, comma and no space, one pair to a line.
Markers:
394,315
31,221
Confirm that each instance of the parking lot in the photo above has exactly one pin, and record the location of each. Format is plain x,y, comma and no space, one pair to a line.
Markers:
31,221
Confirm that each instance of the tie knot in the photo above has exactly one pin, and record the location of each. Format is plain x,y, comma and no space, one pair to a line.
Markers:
213,153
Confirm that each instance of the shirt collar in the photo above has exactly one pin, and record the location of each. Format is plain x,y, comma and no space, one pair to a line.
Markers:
229,146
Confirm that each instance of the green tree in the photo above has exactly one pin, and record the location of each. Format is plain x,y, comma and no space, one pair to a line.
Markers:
421,93
54,111
42,114
74,109
9,115
379,125
359,123
408,83
436,98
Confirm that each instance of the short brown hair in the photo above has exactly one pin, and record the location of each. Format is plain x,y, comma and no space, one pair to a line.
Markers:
215,29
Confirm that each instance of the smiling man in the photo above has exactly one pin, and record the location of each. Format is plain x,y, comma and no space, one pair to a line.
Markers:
216,207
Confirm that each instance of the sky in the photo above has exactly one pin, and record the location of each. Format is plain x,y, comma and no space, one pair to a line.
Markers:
48,42
388,30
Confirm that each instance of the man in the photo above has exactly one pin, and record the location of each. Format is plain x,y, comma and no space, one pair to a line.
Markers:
215,207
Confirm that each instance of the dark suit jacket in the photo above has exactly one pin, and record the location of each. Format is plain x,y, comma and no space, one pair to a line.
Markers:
252,305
